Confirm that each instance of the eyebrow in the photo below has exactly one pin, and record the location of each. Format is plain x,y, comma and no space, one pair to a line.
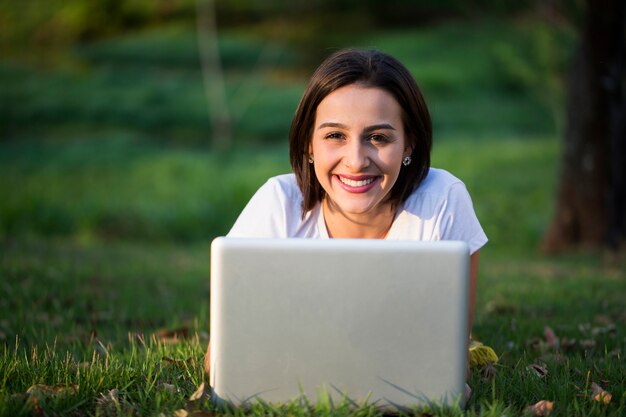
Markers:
371,128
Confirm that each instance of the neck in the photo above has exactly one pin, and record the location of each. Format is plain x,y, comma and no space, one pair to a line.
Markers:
357,226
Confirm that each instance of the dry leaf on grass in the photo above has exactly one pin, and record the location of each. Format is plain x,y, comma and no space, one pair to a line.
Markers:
197,397
600,395
541,408
195,413
568,344
199,394
172,336
41,389
551,339
108,403
36,392
35,408
540,370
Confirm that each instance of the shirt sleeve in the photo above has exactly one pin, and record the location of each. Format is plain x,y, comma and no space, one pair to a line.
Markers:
459,221
265,214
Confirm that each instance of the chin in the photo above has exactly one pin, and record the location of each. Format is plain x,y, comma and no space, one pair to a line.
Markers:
356,210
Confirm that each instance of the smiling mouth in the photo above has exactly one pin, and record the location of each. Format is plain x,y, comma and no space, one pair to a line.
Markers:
356,183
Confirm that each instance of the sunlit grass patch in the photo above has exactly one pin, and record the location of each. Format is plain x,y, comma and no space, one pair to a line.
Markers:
125,188
135,380
122,327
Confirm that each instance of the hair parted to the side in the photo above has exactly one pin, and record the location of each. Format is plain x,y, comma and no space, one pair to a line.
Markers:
369,68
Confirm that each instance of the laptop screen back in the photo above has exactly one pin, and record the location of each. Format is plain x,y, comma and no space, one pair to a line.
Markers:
363,320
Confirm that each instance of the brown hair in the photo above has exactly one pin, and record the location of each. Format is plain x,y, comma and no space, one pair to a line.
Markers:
369,68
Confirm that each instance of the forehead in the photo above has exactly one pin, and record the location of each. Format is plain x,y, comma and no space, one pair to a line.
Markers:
356,104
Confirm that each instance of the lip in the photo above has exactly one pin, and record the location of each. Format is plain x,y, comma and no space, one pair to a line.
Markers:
357,189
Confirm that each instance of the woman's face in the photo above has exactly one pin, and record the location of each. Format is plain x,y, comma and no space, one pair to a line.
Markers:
358,145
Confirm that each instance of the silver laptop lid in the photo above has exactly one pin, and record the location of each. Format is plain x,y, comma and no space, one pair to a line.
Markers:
366,320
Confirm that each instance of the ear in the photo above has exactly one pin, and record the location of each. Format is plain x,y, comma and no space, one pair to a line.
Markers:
408,151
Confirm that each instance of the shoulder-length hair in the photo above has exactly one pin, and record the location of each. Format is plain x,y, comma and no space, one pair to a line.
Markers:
369,68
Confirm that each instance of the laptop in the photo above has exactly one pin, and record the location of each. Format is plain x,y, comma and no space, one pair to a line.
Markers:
374,322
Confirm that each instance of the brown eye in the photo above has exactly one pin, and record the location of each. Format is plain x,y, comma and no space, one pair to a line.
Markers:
378,139
334,135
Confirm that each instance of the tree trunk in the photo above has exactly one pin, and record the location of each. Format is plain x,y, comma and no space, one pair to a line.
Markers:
590,198
213,74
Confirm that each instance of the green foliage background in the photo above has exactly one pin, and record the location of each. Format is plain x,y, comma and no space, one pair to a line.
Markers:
105,135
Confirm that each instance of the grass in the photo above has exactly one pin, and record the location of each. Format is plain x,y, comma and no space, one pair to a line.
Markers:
128,189
132,188
110,198
132,317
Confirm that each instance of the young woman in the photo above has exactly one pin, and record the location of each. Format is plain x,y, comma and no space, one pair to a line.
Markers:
360,145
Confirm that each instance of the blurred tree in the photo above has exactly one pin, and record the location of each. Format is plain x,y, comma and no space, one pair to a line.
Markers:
213,74
590,202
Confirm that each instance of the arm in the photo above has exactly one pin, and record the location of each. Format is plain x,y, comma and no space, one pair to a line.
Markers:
207,359
473,281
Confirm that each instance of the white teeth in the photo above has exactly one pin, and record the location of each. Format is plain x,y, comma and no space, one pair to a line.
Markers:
353,183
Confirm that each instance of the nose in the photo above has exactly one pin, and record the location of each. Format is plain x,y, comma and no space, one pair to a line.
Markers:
356,156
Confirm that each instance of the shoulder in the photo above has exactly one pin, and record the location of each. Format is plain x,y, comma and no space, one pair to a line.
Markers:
438,183
284,182
440,177
284,187
438,193
281,190
273,211
441,209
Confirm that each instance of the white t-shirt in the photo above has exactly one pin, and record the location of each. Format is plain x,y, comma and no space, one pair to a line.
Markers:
440,209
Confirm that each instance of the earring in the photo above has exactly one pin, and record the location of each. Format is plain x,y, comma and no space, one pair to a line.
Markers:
406,161
310,159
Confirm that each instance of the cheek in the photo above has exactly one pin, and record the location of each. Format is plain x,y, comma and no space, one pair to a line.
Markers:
392,158
323,153
318,165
